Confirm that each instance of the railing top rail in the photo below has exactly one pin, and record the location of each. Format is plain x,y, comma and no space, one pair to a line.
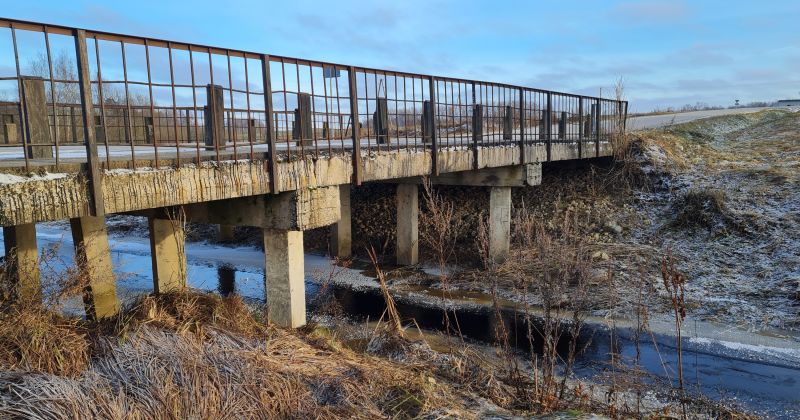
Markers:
182,45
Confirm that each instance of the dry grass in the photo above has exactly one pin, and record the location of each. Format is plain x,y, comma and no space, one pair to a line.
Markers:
37,340
191,355
191,313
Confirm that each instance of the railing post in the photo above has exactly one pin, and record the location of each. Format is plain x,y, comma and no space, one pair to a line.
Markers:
508,117
302,130
580,128
380,119
522,127
562,125
351,75
272,160
96,205
215,118
548,123
596,128
477,131
623,114
37,123
434,142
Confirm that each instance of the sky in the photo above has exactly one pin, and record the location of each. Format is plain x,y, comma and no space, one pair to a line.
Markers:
668,53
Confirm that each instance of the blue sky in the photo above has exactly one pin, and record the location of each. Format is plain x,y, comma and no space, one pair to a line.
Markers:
669,53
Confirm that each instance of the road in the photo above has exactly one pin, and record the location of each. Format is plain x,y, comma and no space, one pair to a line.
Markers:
656,121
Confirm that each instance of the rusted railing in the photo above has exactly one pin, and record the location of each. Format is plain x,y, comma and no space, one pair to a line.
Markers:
111,98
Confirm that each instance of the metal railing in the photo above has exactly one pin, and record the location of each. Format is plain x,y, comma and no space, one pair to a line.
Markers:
144,101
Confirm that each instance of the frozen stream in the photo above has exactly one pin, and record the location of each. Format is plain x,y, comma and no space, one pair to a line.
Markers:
761,373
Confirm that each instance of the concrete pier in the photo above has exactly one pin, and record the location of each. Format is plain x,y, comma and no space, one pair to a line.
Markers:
225,233
168,253
499,223
93,258
22,260
285,286
341,232
407,224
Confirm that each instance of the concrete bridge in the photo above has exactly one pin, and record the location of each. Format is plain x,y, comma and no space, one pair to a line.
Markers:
182,132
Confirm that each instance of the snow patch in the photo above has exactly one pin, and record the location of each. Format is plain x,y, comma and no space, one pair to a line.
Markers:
6,179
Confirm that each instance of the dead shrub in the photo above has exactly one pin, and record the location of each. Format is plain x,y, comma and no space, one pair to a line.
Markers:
703,209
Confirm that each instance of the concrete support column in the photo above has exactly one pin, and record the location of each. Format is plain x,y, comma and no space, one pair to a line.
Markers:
168,253
499,223
285,286
93,258
341,232
22,260
225,233
407,224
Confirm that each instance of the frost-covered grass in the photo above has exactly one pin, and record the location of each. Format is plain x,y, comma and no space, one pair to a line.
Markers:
731,199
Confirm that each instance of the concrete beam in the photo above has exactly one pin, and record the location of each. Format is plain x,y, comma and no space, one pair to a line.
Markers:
22,261
341,232
168,253
506,176
499,223
292,210
93,258
285,282
407,224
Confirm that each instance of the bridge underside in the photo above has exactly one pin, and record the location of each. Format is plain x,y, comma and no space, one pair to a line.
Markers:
313,193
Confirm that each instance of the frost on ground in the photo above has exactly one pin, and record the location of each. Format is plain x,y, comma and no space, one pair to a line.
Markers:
727,202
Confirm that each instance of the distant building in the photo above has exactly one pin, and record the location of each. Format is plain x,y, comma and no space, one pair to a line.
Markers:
788,102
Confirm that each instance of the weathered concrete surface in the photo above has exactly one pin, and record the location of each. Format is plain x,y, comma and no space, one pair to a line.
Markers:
504,176
285,287
144,189
455,160
499,223
533,174
35,200
396,164
566,151
407,224
42,199
314,173
22,260
493,157
168,254
341,241
292,210
93,259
